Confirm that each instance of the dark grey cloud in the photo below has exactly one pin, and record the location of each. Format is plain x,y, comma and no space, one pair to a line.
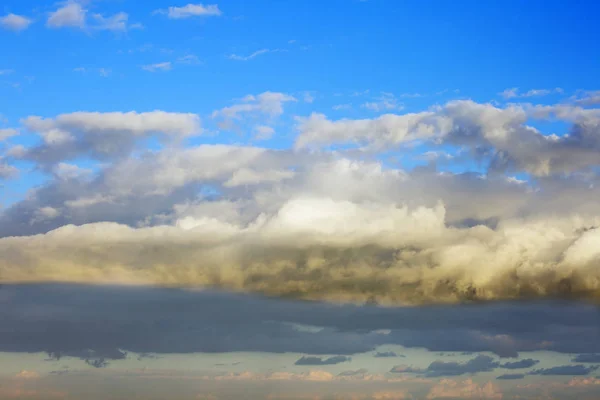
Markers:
93,322
97,363
587,358
481,363
566,370
405,369
510,376
525,363
384,354
307,360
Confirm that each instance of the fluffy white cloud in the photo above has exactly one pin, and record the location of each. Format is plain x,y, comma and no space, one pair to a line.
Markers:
468,389
15,22
71,14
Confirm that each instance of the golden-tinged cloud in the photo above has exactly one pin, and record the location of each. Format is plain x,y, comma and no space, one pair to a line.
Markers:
318,248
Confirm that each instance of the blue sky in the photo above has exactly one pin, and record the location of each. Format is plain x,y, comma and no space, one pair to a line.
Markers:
474,50
390,153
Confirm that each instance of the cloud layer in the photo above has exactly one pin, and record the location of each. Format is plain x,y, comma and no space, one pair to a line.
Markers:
315,224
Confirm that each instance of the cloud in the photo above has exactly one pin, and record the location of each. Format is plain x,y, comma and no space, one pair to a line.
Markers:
189,59
25,374
263,132
525,363
464,390
255,54
71,14
305,360
385,354
511,376
7,133
481,363
514,92
163,66
587,358
103,135
266,103
191,10
358,372
587,98
565,370
14,22
115,23
6,71
339,107
385,102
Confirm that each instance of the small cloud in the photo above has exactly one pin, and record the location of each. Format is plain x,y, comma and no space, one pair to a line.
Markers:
80,69
71,14
249,57
581,358
320,361
263,132
339,107
7,133
25,374
308,97
191,10
526,363
14,22
566,370
510,376
189,59
385,354
361,371
164,66
6,71
115,23
514,92
97,363
104,72
292,41
386,102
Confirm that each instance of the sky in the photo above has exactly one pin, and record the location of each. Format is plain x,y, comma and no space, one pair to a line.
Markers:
341,199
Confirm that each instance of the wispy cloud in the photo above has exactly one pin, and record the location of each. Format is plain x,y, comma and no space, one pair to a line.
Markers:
514,92
164,66
191,10
251,56
14,22
189,59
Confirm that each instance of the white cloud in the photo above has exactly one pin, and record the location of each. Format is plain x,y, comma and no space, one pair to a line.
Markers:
6,71
7,133
14,22
269,103
339,107
386,102
189,59
163,66
71,14
448,388
514,92
115,23
250,56
191,10
263,132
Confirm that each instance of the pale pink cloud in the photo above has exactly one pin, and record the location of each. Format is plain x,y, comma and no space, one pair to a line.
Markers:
448,388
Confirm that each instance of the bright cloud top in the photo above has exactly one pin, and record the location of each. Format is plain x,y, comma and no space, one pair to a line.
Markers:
318,224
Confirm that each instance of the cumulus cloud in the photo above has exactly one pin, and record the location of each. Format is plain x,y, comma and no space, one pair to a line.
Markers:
71,14
313,224
306,360
14,22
